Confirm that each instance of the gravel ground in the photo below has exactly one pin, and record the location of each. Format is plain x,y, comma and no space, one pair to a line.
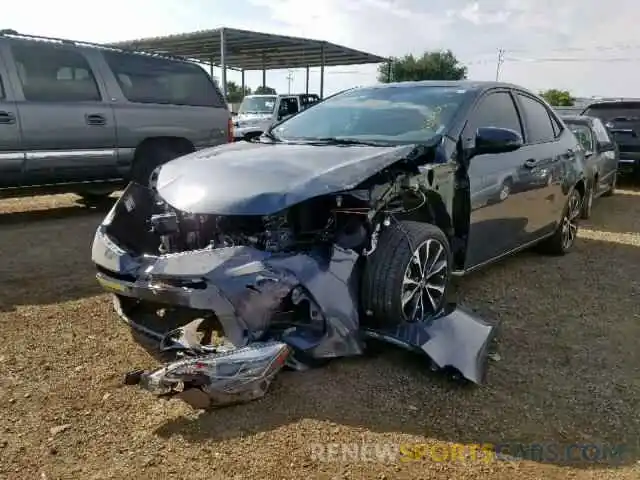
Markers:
566,372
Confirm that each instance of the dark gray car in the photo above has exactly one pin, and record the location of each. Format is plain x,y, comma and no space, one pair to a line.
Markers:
345,221
86,119
601,158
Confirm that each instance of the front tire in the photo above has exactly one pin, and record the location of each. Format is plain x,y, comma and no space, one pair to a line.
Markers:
406,279
561,242
152,156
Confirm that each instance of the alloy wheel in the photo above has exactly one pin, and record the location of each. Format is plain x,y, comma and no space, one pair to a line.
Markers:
570,221
425,281
504,192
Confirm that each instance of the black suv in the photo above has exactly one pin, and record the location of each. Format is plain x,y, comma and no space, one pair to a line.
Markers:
622,118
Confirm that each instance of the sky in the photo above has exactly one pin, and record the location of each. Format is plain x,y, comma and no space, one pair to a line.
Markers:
589,47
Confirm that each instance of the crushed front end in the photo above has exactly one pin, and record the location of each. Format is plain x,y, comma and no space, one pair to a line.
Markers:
246,277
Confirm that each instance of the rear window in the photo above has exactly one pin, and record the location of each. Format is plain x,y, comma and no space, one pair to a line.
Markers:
159,80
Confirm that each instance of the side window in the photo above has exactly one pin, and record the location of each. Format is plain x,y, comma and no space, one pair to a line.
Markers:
602,134
144,79
288,106
557,126
584,135
52,74
538,121
495,110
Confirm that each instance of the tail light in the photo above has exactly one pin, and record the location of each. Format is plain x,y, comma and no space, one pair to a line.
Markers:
230,130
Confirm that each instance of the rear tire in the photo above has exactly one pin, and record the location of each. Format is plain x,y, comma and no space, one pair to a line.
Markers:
151,156
393,273
587,201
561,242
612,190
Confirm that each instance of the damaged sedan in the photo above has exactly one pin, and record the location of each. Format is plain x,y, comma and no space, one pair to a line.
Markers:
343,223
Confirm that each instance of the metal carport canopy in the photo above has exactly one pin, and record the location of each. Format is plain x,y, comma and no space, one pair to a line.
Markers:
246,50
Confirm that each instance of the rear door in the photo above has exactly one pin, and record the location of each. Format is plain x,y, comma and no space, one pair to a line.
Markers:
541,173
623,121
161,97
68,128
11,154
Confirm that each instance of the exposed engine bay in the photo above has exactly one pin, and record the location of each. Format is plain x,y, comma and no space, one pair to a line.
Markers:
285,288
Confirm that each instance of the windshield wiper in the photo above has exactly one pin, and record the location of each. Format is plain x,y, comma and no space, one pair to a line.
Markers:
344,141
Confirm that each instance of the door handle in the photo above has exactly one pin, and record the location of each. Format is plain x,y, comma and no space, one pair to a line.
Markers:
531,163
95,119
7,118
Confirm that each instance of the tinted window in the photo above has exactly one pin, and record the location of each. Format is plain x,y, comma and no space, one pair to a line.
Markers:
308,100
398,114
52,74
159,80
539,126
288,106
557,126
495,110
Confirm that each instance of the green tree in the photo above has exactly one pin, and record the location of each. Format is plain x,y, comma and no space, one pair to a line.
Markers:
235,93
265,90
558,98
435,65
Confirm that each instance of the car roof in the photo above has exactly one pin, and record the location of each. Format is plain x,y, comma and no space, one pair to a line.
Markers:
476,85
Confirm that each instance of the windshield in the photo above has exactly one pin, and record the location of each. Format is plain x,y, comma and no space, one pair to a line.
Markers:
402,114
258,105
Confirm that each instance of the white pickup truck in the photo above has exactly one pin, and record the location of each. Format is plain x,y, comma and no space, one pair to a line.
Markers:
258,112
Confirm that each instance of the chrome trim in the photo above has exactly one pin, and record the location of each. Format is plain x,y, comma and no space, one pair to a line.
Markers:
12,156
42,155
460,273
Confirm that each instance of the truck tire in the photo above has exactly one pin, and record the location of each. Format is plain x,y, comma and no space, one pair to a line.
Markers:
392,273
151,156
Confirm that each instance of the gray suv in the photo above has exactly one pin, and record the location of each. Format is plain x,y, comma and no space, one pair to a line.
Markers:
84,118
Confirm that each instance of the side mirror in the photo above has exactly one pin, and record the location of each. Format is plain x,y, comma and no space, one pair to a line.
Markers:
605,146
496,140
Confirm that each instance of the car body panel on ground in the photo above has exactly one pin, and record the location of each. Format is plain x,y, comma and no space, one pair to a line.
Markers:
350,218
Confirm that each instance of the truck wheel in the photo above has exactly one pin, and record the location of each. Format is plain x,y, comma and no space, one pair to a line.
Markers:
406,279
151,156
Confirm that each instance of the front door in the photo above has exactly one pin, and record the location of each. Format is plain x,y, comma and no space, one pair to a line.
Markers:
497,213
68,128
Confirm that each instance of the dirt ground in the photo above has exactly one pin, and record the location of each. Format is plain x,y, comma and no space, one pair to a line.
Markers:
567,372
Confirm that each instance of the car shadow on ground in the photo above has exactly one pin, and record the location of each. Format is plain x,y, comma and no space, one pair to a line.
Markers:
566,374
46,255
61,213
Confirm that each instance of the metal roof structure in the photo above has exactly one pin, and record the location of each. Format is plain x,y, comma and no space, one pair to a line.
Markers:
247,50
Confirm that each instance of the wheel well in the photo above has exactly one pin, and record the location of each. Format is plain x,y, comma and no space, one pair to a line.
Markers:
433,211
581,188
178,144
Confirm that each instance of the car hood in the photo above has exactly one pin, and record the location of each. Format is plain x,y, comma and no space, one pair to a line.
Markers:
248,178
